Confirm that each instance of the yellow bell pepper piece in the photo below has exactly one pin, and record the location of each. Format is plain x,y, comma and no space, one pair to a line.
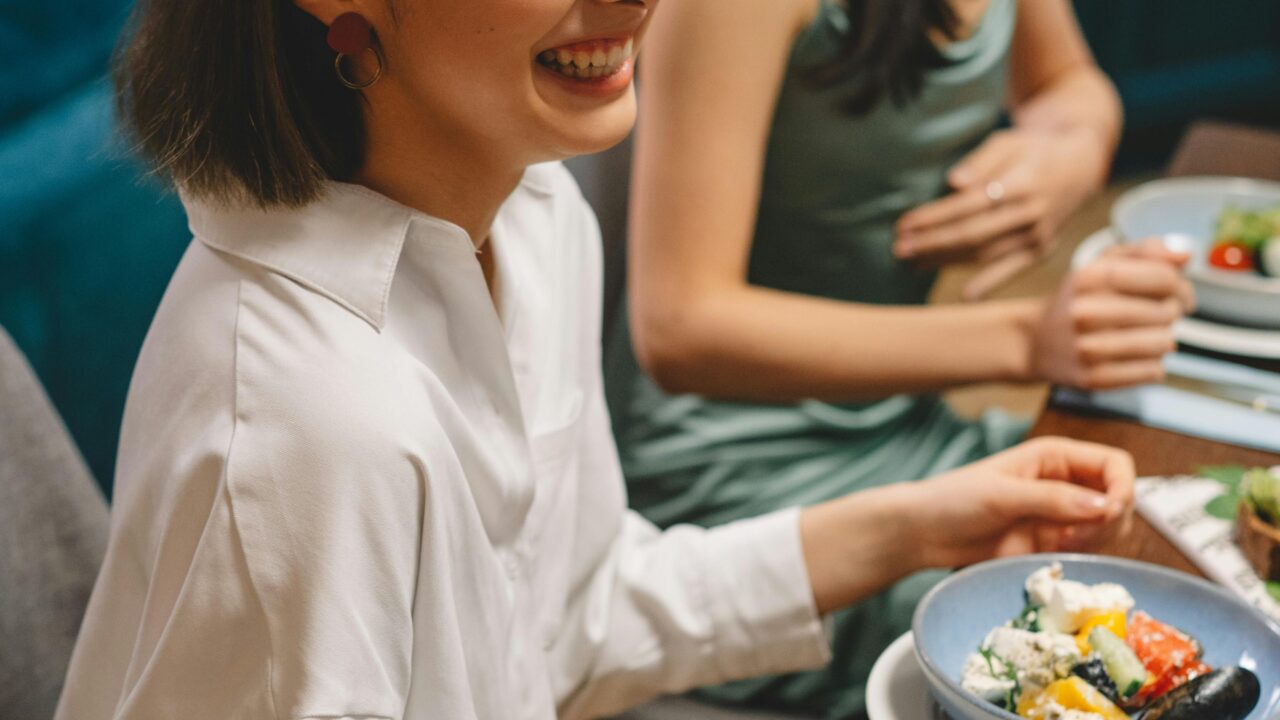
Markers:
1072,693
1113,621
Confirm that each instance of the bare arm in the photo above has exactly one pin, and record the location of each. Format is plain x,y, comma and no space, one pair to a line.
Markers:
699,326
712,73
1055,84
1066,118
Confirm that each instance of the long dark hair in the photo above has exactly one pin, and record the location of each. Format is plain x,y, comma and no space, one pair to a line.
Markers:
236,99
887,51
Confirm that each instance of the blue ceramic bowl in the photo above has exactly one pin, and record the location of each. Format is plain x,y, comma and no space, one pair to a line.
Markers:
957,614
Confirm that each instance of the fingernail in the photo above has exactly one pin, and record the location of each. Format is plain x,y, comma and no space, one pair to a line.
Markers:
961,177
1093,503
903,250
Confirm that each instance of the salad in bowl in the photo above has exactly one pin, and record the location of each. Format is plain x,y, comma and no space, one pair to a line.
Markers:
1087,652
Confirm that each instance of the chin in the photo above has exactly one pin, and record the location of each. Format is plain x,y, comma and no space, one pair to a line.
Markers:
584,117
586,133
605,128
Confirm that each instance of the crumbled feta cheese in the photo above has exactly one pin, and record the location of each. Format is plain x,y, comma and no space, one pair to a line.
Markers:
1038,657
1040,584
978,679
1068,604
1073,603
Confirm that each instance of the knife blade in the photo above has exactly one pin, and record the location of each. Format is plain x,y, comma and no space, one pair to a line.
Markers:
1257,401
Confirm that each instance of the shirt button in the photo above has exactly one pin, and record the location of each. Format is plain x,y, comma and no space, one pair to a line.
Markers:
512,565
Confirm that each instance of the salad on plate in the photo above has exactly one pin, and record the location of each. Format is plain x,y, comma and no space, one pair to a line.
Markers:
1084,652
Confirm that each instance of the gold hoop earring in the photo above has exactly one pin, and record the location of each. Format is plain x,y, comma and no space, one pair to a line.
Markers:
352,84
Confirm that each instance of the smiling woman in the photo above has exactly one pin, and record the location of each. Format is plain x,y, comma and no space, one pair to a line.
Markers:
366,469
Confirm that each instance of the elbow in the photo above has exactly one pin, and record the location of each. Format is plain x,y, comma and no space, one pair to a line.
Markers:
667,349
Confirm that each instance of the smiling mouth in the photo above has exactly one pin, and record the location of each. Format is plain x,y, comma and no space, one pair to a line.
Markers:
588,60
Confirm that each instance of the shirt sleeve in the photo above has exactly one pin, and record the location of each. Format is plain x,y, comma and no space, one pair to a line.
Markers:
663,612
293,598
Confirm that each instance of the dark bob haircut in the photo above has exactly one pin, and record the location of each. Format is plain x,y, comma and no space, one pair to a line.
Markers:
236,100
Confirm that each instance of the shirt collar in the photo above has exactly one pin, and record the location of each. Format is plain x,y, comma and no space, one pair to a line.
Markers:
344,245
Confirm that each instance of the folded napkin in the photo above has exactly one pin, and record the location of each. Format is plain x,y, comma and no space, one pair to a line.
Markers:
1192,413
1175,506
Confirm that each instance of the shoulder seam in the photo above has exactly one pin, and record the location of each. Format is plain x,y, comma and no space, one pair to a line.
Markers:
235,424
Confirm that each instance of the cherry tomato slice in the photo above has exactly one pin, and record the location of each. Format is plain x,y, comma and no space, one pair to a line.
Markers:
1169,655
1231,256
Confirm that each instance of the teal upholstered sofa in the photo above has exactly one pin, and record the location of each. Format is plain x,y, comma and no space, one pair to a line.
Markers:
86,245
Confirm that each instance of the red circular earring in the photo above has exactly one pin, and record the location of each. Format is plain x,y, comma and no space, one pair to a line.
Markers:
350,35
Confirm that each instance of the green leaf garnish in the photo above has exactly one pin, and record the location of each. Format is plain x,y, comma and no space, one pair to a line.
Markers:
1273,589
1224,507
1229,475
1010,673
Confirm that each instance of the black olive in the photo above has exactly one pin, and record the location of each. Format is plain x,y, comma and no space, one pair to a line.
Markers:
1224,694
1094,672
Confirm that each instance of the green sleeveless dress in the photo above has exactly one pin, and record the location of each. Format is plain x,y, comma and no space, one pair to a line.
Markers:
833,187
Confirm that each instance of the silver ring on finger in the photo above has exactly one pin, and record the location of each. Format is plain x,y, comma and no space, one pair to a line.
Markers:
995,192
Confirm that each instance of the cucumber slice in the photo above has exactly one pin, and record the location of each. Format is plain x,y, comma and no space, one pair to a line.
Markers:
1268,260
1125,669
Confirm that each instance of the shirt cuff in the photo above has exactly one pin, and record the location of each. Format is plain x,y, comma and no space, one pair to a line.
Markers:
761,600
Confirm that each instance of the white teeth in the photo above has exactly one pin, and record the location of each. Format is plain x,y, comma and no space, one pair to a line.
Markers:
603,60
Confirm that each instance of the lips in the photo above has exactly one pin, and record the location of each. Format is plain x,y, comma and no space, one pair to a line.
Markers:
589,60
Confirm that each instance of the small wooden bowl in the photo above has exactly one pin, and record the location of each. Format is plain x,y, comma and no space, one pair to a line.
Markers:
1260,542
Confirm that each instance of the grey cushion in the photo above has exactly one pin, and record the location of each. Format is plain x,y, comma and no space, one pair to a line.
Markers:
605,180
53,533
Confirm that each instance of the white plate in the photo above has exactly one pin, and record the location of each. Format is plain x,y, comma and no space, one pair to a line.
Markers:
1194,331
897,688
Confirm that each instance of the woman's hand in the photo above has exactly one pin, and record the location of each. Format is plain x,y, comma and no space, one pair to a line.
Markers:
1009,198
1044,495
1110,324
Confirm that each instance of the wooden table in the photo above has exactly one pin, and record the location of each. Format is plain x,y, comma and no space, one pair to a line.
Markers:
1207,149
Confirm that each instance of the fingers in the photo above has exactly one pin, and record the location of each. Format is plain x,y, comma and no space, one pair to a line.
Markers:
1112,375
1116,345
1134,276
1118,356
973,230
1050,500
1078,538
946,209
985,162
1094,313
1091,465
1032,239
1150,249
998,273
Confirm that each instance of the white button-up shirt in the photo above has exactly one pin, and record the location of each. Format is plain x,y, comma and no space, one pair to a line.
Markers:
351,487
